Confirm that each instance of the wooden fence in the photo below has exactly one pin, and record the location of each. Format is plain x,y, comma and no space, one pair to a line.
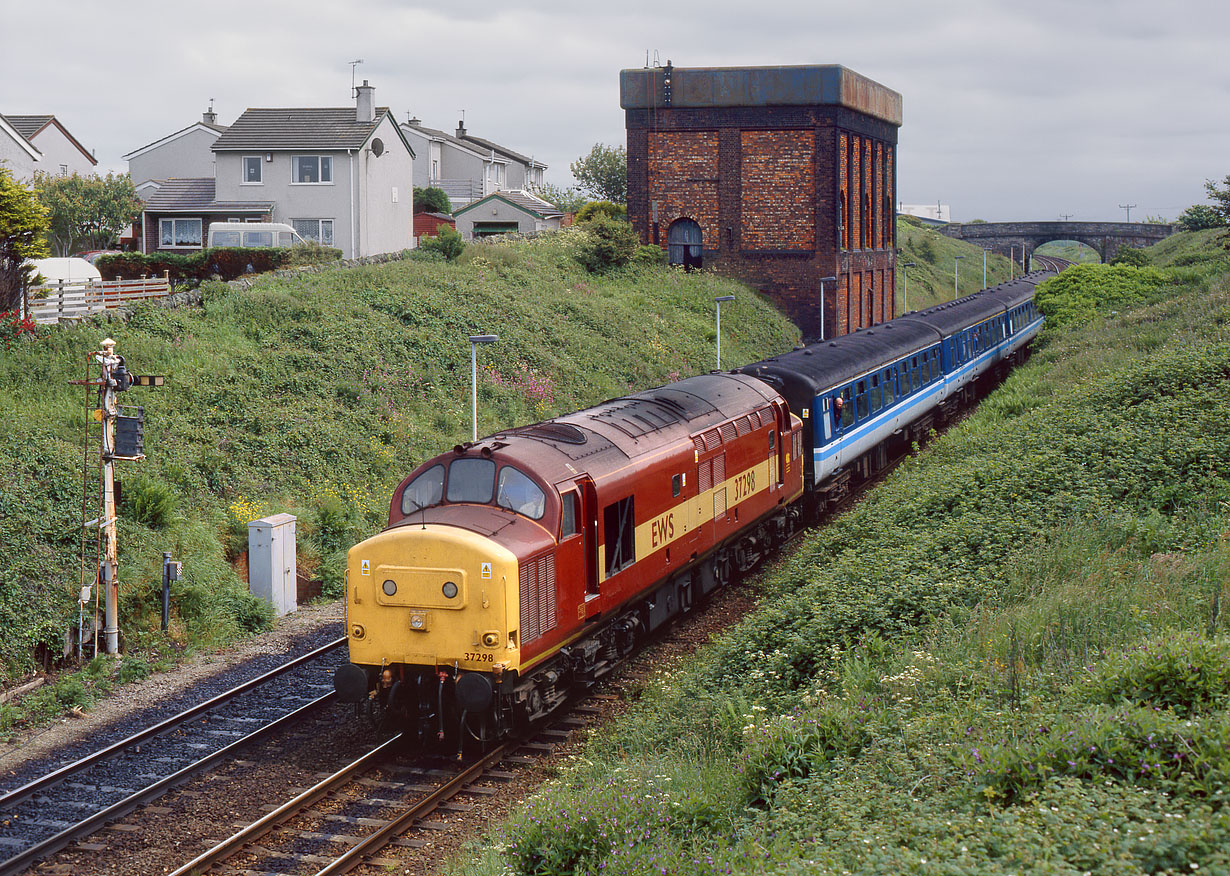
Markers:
73,299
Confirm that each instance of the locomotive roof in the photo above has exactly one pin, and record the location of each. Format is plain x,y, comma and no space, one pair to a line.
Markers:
623,428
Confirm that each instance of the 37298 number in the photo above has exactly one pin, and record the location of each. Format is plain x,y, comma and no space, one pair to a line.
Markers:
476,657
745,484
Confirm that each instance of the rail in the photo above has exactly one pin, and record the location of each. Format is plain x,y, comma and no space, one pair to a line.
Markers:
73,299
19,861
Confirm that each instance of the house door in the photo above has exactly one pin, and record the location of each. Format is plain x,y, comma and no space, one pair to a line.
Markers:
683,242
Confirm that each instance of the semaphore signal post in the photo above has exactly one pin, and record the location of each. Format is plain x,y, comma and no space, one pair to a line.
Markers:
121,437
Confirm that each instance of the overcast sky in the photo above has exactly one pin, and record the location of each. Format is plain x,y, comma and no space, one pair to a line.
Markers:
1013,110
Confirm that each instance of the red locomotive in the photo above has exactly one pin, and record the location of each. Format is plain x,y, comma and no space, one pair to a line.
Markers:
519,568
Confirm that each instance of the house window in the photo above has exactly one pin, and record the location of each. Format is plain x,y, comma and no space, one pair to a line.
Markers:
313,169
63,170
251,169
319,230
179,232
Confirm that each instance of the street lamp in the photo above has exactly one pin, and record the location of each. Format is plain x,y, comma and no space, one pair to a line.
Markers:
905,300
1012,261
954,275
823,280
718,302
475,340
984,267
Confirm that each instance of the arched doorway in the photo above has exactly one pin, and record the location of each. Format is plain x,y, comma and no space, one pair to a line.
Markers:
683,243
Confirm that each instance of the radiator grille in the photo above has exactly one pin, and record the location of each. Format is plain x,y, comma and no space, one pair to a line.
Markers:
537,597
728,432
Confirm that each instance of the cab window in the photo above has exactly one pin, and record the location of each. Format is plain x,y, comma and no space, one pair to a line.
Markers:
471,480
424,491
518,493
568,514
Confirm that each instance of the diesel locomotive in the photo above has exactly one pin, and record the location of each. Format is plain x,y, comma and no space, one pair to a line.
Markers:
520,568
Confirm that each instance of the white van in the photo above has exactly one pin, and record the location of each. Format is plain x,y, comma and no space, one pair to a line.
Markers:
252,234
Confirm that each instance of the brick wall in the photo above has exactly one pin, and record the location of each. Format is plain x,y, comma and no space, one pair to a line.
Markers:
783,195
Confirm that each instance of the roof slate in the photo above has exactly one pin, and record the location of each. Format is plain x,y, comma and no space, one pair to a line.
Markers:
174,195
298,128
28,126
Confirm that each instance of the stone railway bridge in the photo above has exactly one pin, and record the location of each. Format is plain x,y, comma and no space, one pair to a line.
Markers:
1011,238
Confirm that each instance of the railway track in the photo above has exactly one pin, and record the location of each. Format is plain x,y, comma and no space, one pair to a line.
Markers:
1052,263
349,817
76,800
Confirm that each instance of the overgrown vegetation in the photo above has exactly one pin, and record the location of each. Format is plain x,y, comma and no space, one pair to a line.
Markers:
1010,658
314,394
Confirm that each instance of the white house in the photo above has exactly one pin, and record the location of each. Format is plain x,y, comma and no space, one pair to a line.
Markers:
40,143
340,176
467,167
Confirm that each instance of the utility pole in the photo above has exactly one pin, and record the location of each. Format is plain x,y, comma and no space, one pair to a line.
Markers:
1127,207
1065,216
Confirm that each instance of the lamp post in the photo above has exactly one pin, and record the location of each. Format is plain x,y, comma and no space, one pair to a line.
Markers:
475,340
955,260
984,267
905,300
718,302
1011,261
823,280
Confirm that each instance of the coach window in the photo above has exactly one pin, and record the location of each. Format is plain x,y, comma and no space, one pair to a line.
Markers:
861,399
424,491
618,530
847,406
915,379
568,514
889,395
471,480
519,494
877,397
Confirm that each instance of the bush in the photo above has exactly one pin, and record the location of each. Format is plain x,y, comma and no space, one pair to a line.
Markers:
609,244
1199,217
227,262
447,243
645,256
595,209
1130,255
149,501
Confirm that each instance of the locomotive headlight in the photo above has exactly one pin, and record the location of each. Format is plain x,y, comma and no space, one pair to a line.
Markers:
390,587
418,621
449,590
490,640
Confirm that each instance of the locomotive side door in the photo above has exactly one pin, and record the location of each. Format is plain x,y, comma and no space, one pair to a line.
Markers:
578,543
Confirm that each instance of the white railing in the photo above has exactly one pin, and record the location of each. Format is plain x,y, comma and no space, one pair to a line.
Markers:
73,299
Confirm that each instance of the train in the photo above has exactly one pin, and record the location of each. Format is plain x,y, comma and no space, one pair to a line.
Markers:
519,569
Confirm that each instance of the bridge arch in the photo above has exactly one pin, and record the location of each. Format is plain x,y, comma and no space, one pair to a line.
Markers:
1105,238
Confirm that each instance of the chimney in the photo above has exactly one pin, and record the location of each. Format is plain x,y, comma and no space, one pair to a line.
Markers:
365,103
209,117
461,129
414,121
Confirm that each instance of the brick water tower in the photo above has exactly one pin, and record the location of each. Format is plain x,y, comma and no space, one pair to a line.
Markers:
778,176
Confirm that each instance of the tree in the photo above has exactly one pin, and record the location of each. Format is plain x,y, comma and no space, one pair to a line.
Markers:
567,200
1198,217
86,212
603,174
1220,197
23,224
594,209
431,200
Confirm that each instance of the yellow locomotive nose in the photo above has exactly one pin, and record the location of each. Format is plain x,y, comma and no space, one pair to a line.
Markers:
432,595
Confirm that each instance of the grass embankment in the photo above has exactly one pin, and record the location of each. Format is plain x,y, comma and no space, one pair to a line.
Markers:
1013,657
934,255
315,394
